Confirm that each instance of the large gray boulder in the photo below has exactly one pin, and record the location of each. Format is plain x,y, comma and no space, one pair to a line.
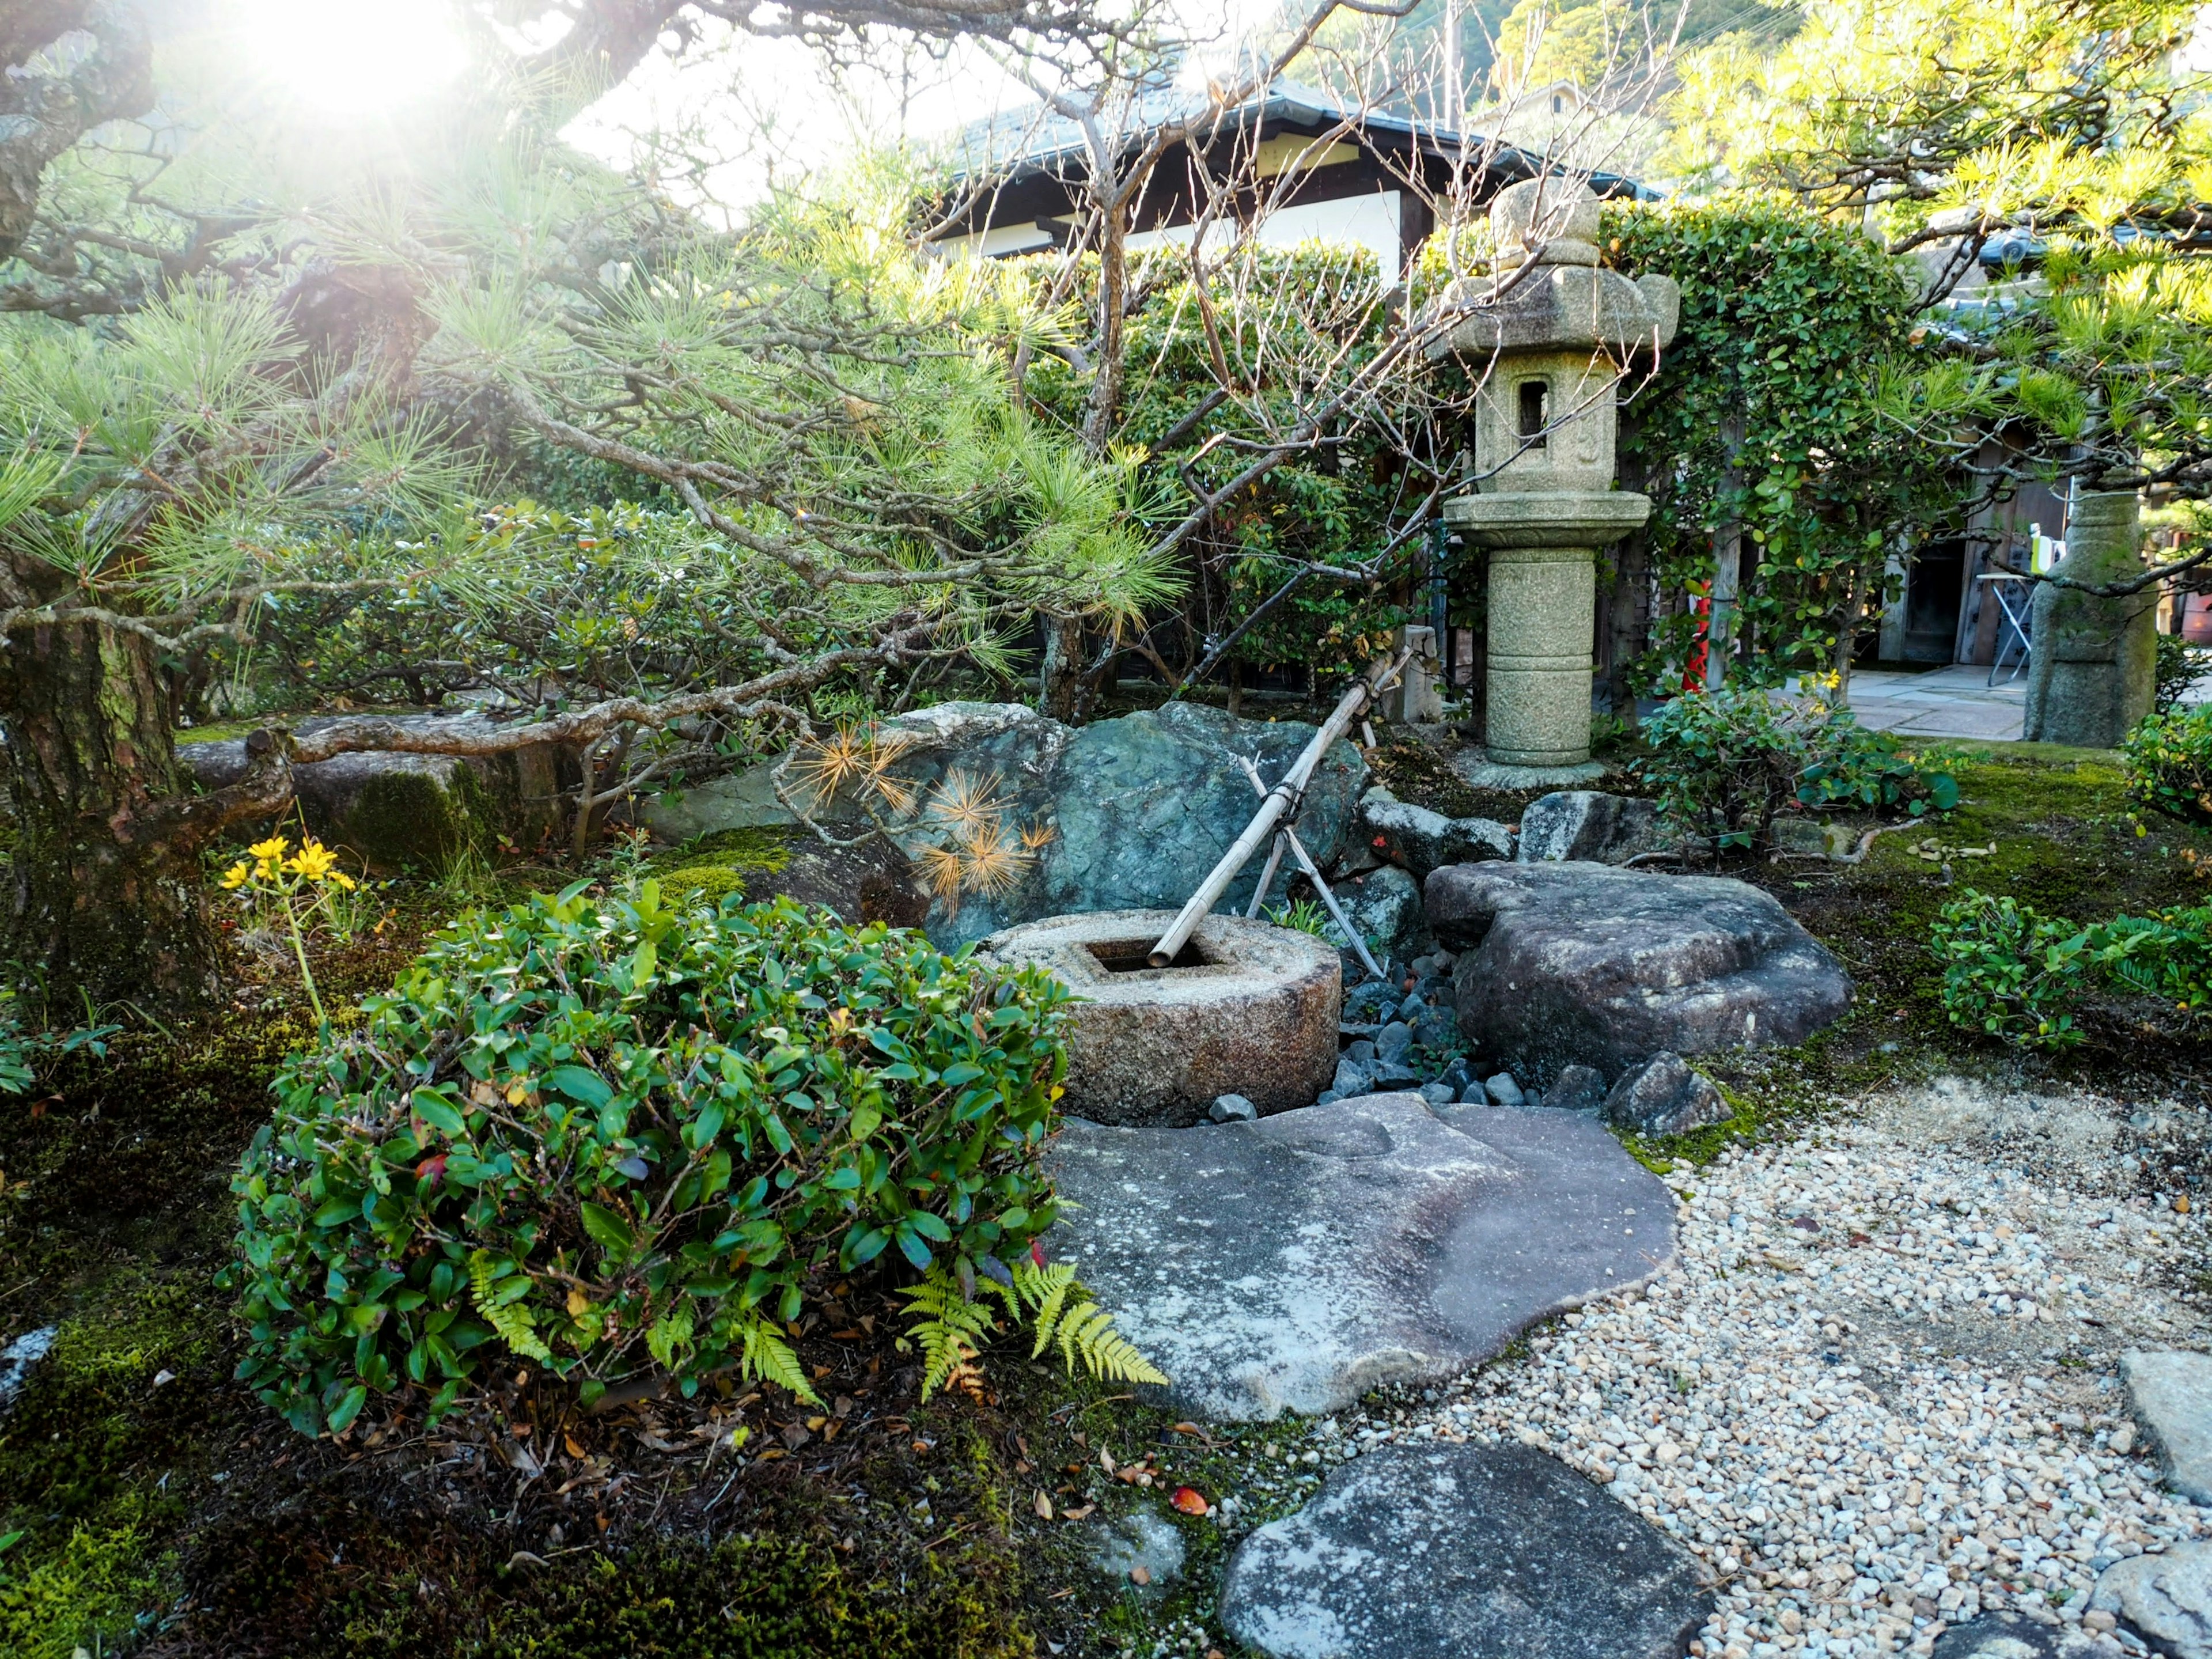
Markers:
2171,1396
1589,825
2015,1635
1128,814
410,810
1296,1262
1473,1552
1578,964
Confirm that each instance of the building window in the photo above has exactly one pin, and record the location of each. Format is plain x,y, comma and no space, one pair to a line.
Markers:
1559,103
1536,399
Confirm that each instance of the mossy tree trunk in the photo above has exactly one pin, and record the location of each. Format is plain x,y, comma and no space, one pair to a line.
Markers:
108,899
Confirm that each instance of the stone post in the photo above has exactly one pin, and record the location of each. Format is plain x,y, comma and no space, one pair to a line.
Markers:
2092,662
1550,336
1416,699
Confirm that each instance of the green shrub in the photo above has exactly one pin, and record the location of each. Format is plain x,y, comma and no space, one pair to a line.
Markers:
2169,763
2168,955
1726,763
601,1133
2180,665
2011,973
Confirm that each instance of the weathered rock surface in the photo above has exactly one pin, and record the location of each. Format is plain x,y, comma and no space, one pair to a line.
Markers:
1662,1095
740,800
1256,1016
1587,825
1576,1089
2172,1394
406,811
1474,1552
1578,964
1141,1551
18,1360
1137,811
871,881
1294,1263
1384,905
2166,1599
2013,1636
1419,840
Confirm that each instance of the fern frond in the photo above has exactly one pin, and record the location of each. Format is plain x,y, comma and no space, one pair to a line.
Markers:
949,1328
769,1359
1108,1355
669,1336
501,1303
1045,1289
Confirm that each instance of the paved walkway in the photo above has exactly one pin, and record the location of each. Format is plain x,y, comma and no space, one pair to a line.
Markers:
1957,702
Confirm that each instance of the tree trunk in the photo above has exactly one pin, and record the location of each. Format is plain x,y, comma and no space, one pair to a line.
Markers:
108,897
1061,676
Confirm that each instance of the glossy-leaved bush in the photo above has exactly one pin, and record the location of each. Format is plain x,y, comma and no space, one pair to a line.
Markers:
606,1135
2169,763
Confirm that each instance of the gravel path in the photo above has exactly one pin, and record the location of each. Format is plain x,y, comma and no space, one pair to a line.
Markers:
1879,1391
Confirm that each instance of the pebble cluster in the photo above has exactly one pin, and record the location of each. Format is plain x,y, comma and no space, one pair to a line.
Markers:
1878,1391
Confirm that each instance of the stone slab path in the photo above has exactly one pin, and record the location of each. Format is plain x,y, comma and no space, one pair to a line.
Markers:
1479,1552
1296,1262
1879,1392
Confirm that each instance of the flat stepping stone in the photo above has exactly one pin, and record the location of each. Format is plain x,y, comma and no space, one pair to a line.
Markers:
2165,1599
1296,1262
1475,1552
2014,1636
2172,1394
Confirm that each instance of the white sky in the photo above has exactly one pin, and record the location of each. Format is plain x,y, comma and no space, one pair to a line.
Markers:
757,104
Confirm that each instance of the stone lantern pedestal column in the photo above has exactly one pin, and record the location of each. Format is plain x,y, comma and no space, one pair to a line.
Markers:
1551,337
2092,662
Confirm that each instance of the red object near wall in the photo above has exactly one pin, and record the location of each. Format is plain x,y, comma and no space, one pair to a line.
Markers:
1693,677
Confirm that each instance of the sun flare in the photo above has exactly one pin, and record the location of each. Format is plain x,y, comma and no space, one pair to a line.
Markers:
349,58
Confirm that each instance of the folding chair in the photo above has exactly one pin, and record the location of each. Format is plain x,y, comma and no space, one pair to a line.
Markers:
2016,613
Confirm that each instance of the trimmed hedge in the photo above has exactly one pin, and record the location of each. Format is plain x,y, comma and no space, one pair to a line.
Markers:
605,1133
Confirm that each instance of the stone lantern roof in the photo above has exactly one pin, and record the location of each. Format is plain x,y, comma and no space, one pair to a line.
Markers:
1549,292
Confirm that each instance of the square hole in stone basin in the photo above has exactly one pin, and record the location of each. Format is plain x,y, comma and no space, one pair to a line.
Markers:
1133,956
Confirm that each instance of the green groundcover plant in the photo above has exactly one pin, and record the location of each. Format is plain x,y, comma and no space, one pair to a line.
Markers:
607,1134
2169,763
2012,973
1726,763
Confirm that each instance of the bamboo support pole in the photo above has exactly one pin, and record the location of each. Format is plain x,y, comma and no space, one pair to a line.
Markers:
1277,802
1290,837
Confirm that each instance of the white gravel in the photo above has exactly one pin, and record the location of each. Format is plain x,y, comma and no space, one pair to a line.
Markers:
1878,1392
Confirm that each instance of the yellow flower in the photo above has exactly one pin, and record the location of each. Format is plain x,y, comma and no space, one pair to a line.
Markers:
236,876
339,879
313,861
268,850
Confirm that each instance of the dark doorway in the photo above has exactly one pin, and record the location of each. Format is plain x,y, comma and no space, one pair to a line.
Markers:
1932,592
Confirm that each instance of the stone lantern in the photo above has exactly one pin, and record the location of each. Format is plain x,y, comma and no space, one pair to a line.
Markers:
1551,336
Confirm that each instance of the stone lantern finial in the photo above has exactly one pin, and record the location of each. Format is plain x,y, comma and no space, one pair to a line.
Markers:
1549,336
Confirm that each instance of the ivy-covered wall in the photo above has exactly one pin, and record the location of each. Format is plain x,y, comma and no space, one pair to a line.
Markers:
1767,413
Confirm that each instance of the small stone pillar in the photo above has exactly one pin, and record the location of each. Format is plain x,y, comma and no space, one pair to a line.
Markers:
1551,336
1417,699
2092,662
